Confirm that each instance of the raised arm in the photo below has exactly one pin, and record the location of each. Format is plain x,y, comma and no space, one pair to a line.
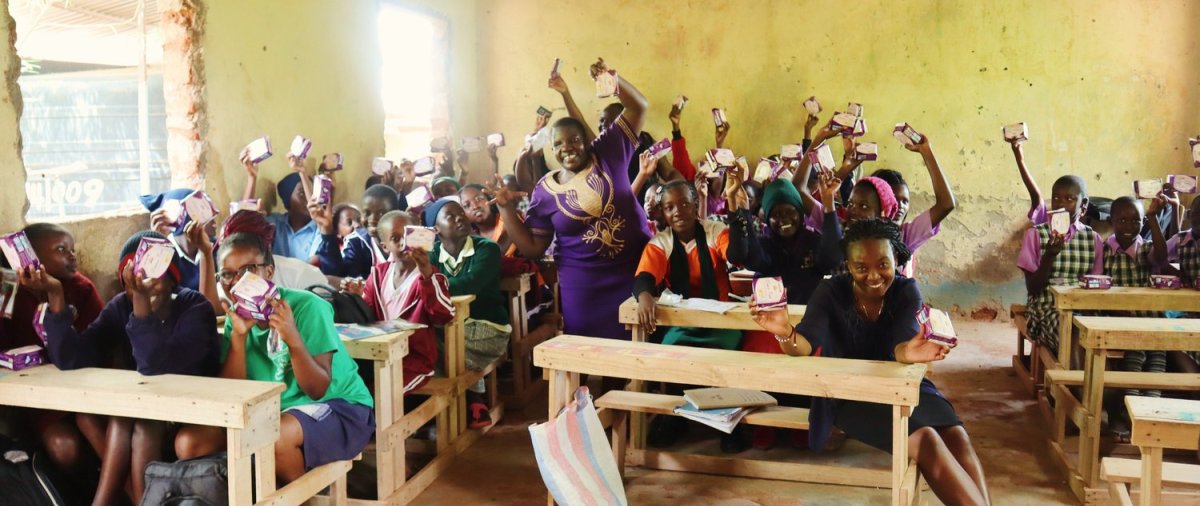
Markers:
1035,194
944,201
558,84
207,265
646,167
1158,250
800,177
251,174
531,246
635,103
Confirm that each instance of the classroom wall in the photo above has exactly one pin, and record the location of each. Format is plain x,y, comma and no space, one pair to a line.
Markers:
1109,89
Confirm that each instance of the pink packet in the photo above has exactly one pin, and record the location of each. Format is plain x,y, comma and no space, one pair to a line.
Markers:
866,151
300,147
1165,282
1095,282
197,207
660,148
907,135
496,140
419,238
260,149
769,293
39,321
724,157
719,116
843,122
822,158
418,197
1182,183
791,151
938,327
424,166
860,129
22,358
1195,143
606,84
332,162
472,144
812,106
1147,188
18,251
323,190
252,296
243,205
854,108
153,257
1016,132
381,166
680,101
764,169
1060,221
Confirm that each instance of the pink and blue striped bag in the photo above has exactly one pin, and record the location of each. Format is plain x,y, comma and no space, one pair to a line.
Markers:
575,457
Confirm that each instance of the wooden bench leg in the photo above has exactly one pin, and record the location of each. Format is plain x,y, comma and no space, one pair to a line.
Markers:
1119,493
337,492
899,453
620,424
1150,489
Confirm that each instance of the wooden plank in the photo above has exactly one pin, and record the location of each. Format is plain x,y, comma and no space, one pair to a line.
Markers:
1127,379
308,485
519,284
1174,474
1123,333
1151,485
899,453
388,348
737,318
770,416
765,469
863,380
1125,298
196,400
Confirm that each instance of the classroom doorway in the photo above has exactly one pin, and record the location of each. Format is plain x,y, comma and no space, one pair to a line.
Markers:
414,48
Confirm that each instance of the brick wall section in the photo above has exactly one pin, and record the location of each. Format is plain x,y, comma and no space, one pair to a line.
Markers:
183,87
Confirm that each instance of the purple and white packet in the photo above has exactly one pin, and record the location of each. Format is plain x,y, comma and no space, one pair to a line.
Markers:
381,166
252,296
907,135
22,358
1147,188
300,147
332,162
322,190
769,293
1165,282
1016,132
938,327
1183,183
260,149
660,148
18,250
1095,282
153,257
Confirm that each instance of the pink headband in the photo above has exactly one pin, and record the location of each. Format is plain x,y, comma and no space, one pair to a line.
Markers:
888,205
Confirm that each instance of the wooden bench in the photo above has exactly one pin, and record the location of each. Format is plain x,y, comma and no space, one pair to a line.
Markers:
566,357
516,289
247,410
1030,375
737,318
1098,335
1157,424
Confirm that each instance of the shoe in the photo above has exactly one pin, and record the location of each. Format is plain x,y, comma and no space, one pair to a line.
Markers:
480,416
734,443
665,431
762,438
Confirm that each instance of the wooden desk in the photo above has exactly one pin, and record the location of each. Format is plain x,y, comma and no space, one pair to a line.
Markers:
1158,424
248,410
1068,299
1098,335
737,318
566,357
516,289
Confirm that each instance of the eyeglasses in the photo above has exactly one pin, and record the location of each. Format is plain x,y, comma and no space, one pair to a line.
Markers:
229,276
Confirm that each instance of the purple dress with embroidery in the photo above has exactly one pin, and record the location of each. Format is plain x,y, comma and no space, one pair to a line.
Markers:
600,231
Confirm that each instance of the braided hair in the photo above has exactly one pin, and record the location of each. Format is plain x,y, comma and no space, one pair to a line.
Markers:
875,228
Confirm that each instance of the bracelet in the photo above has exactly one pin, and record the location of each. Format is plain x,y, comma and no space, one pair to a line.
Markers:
791,338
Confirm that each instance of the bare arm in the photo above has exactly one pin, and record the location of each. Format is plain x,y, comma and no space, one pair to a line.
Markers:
558,84
531,246
1035,194
1158,251
251,175
635,103
944,201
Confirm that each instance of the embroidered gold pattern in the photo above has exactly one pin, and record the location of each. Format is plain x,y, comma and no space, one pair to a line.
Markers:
588,198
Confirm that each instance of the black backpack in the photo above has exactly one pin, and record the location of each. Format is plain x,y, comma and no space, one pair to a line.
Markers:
347,307
201,481
25,477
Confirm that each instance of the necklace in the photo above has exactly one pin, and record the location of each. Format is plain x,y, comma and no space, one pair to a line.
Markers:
866,314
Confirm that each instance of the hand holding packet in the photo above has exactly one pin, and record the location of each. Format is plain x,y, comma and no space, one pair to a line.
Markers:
424,166
769,293
866,151
843,122
938,327
381,166
660,148
606,84
680,101
812,106
1060,221
252,296
907,135
1016,132
821,158
322,190
300,147
1182,183
544,112
854,108
331,162
719,116
472,144
495,140
18,251
197,207
259,149
153,257
419,238
724,157
1147,188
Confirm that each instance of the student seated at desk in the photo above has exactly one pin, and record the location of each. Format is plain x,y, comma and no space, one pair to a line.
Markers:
156,327
1184,249
55,248
328,413
472,265
870,314
408,287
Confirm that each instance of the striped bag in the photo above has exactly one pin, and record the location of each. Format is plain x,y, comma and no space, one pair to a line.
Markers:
575,458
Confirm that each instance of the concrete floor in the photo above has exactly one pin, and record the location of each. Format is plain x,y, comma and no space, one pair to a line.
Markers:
977,377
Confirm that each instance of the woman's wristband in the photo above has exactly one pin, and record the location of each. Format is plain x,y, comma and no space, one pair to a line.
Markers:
790,339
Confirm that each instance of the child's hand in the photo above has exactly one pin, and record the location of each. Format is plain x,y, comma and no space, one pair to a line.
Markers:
1016,143
1171,197
198,236
355,286
733,181
919,147
420,258
283,321
540,122
647,313
722,132
557,83
159,222
1055,245
38,280
1156,204
505,198
241,326
647,163
296,164
674,116
251,167
322,215
828,185
809,123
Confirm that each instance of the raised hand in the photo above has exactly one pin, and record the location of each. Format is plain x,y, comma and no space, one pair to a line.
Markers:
675,115
919,350
557,83
38,280
1055,245
251,167
827,185
921,147
722,132
598,68
296,164
241,326
506,198
159,222
198,236
540,122
322,215
283,321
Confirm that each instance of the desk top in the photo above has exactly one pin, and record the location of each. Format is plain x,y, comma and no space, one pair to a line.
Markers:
1127,333
737,318
169,397
1164,423
1126,298
862,380
389,346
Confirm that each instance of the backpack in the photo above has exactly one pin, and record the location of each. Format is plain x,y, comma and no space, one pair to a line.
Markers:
201,481
25,477
347,307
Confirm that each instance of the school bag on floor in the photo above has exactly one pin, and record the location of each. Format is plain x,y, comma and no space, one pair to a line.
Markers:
347,307
201,481
24,477
575,458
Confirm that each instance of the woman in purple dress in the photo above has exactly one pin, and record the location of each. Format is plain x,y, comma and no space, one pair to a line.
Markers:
589,210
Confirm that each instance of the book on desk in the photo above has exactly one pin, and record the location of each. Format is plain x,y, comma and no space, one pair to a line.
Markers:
355,331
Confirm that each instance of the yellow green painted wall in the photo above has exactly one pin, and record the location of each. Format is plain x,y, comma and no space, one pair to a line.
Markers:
1110,89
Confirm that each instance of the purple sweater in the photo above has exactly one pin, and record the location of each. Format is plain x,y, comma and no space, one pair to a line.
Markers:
186,343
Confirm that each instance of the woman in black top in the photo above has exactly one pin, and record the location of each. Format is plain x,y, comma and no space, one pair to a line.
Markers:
870,313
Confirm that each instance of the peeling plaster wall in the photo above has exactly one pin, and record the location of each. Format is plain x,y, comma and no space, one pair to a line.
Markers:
1110,89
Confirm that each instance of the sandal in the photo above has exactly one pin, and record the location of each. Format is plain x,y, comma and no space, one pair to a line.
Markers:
480,416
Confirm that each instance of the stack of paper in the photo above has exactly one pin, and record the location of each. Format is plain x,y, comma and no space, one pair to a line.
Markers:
724,419
721,408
